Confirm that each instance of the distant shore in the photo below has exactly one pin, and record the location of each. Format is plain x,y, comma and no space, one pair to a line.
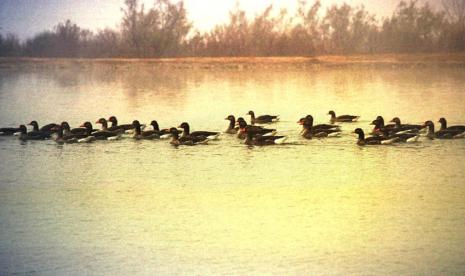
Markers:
382,60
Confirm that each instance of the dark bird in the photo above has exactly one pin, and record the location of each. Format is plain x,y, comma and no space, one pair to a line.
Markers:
187,140
373,140
33,135
342,118
442,134
443,123
164,133
8,131
399,126
379,126
254,139
67,130
406,136
148,135
47,128
258,130
105,127
309,131
309,120
232,129
62,138
114,124
208,134
262,119
98,135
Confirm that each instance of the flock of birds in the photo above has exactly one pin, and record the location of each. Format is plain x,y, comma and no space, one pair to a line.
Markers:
252,134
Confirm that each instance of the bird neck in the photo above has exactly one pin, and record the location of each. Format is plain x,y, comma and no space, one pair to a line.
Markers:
137,130
155,126
114,123
35,126
104,125
443,125
361,136
186,131
430,129
232,124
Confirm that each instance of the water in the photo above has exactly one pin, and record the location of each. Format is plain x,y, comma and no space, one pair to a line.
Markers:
309,207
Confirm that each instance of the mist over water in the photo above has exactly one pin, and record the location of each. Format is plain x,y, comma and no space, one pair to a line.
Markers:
321,206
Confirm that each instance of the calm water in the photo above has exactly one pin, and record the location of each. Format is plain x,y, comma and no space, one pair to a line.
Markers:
323,207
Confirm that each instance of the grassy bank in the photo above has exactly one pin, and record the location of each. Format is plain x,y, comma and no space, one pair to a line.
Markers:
389,60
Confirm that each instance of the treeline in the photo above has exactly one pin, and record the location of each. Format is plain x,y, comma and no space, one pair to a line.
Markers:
165,31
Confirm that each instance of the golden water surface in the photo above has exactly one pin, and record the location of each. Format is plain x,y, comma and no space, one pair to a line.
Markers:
310,207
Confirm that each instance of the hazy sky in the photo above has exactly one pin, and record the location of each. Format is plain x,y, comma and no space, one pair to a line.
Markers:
27,17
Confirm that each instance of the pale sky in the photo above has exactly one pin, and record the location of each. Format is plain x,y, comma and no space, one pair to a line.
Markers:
28,17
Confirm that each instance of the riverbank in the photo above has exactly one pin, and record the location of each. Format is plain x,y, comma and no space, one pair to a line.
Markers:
385,60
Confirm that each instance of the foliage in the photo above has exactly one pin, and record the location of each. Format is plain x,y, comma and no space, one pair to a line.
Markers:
164,30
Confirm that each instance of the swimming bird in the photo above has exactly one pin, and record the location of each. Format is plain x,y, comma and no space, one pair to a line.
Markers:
255,139
399,126
125,127
105,127
258,130
32,135
67,130
372,140
186,140
164,133
262,119
148,135
99,135
443,123
47,128
8,131
441,134
232,129
309,131
208,134
407,136
309,120
62,138
342,118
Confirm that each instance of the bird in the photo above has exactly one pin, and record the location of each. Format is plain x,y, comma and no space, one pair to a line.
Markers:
258,130
164,133
443,123
105,127
139,134
380,128
342,118
262,119
32,135
399,126
8,131
309,120
442,134
67,130
125,127
47,128
99,135
186,140
43,131
62,138
309,131
186,132
232,129
408,136
372,140
255,139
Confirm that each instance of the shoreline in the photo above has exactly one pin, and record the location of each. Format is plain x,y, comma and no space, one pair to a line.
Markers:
379,60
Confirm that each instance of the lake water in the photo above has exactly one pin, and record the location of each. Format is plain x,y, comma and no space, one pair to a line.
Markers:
310,207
